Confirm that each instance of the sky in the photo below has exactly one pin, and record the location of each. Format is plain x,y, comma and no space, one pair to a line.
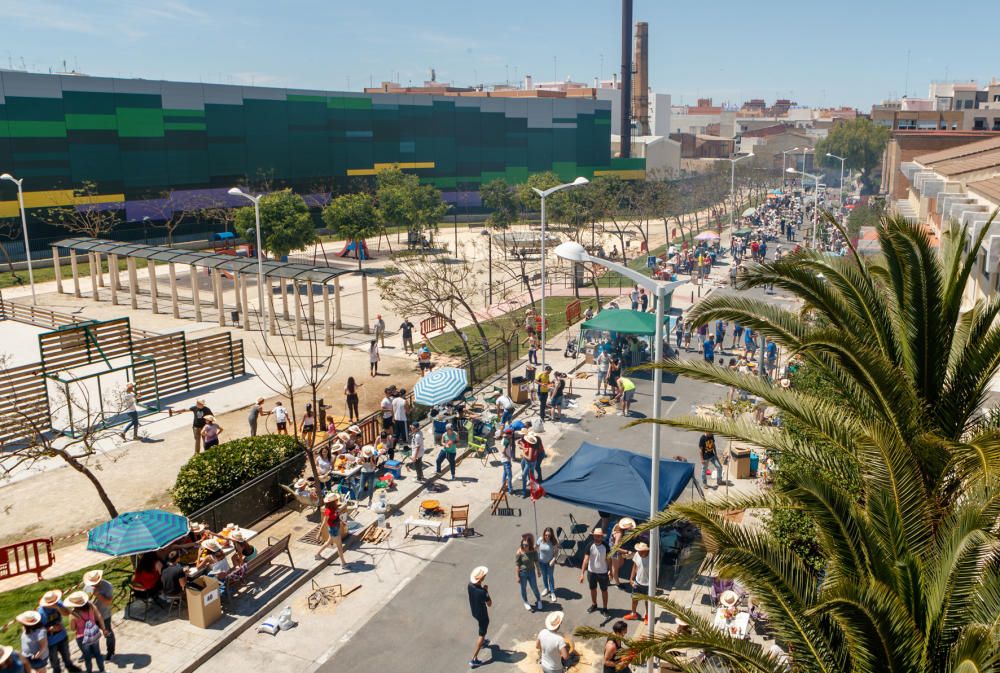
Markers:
849,52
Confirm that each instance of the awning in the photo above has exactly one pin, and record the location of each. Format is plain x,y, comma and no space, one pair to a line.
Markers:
616,481
623,322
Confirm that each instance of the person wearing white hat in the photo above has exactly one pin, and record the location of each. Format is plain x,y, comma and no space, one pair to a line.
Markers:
12,660
595,569
51,609
369,463
640,578
552,645
34,640
89,626
102,595
336,527
479,603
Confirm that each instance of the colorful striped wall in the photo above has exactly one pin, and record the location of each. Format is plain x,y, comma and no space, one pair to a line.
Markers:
144,141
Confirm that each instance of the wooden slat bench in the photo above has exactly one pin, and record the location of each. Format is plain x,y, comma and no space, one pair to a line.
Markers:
239,576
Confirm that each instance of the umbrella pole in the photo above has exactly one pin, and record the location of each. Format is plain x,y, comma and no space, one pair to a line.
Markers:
534,509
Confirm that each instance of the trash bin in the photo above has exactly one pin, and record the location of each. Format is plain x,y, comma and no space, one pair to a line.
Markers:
204,601
394,467
519,390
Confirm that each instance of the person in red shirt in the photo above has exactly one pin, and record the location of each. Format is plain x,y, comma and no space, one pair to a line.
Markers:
336,526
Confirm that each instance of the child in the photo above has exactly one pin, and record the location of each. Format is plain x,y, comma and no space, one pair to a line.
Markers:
281,418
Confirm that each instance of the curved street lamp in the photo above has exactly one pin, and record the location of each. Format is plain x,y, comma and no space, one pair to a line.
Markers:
24,228
236,191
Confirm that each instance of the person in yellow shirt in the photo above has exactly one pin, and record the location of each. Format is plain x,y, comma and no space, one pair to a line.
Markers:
626,391
544,380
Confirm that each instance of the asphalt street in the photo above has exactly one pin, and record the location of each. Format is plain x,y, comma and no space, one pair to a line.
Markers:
427,625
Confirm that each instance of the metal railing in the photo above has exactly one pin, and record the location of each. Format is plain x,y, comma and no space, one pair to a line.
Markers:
254,500
486,364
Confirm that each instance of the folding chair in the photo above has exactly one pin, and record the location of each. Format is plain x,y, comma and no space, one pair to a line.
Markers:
497,498
459,515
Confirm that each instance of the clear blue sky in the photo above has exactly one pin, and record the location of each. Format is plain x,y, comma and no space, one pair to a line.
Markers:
851,52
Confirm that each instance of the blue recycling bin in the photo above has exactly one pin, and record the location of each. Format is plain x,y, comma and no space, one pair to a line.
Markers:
394,467
754,462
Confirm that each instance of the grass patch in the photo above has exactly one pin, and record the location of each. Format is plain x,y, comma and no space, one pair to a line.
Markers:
16,601
47,273
449,343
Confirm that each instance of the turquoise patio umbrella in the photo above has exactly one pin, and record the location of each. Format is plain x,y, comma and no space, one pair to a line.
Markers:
441,385
137,532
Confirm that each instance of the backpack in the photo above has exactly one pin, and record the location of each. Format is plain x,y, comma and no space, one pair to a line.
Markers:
91,632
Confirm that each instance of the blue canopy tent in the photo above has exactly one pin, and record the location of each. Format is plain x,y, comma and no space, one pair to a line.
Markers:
615,481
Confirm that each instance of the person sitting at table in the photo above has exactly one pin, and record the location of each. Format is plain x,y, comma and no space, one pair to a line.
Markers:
243,551
305,489
216,564
146,581
386,445
172,578
324,460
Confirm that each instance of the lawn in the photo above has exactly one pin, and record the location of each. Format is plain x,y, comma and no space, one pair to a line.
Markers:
47,273
555,310
16,601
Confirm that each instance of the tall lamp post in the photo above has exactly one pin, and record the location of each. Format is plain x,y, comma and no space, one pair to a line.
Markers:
489,237
834,156
784,158
24,228
575,252
815,179
236,191
732,188
579,182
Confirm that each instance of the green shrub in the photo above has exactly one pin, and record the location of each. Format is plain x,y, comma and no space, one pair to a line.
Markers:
222,469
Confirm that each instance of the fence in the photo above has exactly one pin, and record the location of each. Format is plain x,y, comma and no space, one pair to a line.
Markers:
485,365
254,500
43,317
30,556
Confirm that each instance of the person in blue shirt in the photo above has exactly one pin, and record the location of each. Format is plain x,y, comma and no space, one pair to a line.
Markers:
737,333
708,349
720,334
51,609
771,351
750,340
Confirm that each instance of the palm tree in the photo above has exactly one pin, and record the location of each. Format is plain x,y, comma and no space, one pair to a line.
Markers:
911,580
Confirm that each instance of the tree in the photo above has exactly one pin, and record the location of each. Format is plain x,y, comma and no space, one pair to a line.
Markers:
555,205
354,217
285,224
169,216
911,578
861,142
93,219
502,201
402,200
35,442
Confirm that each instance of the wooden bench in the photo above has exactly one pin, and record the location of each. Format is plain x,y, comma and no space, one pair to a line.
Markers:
239,576
434,525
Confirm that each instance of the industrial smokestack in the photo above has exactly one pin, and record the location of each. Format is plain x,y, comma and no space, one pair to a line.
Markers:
626,98
640,89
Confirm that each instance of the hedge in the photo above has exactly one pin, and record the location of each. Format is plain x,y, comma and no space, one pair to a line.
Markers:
222,469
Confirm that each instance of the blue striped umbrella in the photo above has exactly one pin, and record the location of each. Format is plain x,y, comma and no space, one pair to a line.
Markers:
137,532
441,385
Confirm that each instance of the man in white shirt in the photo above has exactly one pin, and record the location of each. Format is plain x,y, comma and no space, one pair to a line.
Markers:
601,365
595,569
280,414
505,407
551,645
129,398
640,577
417,445
399,416
386,406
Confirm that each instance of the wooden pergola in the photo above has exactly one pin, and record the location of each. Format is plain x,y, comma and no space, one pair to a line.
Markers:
241,269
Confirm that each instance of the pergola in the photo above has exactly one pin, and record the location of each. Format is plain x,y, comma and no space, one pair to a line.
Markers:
241,269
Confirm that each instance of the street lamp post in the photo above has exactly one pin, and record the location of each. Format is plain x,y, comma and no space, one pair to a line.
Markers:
24,228
489,237
732,188
784,158
815,179
834,156
575,252
236,191
579,182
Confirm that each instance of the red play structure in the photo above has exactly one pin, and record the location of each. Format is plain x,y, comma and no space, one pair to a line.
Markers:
351,250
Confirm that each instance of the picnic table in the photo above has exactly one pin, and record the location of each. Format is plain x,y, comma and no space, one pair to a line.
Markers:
735,626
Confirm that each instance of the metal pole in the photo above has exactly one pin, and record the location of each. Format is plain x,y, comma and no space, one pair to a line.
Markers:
841,183
815,207
260,273
27,246
454,220
732,194
541,418
802,180
491,269
654,477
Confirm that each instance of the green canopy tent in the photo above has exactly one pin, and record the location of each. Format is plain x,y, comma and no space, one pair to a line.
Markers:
624,322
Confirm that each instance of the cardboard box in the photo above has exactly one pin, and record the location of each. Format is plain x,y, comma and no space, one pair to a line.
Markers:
204,601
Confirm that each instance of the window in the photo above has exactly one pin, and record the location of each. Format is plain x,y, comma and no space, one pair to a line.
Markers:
996,98
968,104
979,124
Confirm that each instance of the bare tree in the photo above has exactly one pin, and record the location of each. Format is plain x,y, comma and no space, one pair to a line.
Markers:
34,442
168,216
10,229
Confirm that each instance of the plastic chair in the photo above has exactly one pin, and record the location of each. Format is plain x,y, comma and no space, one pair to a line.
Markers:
478,444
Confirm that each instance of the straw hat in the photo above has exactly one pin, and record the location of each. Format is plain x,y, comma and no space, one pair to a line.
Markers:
343,436
641,546
5,652
301,483
211,545
94,577
210,418
197,528
478,573
331,498
77,599
50,598
237,536
338,446
626,523
680,622
729,598
367,450
354,428
531,438
554,620
785,383
29,617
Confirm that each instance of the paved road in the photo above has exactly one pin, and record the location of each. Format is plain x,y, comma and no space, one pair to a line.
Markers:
427,626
